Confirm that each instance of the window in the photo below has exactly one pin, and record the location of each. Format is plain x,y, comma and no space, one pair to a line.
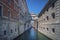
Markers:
53,15
0,10
47,9
11,30
9,13
47,29
53,5
47,18
5,32
53,30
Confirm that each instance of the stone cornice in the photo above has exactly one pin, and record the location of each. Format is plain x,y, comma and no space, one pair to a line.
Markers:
48,5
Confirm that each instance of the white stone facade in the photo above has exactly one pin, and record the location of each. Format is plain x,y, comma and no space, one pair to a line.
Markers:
10,29
51,26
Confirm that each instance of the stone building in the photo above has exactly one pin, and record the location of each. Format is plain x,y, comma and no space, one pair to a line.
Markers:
35,25
14,18
34,20
49,20
25,16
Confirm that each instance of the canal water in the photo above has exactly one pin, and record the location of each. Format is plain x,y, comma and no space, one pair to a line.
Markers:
32,34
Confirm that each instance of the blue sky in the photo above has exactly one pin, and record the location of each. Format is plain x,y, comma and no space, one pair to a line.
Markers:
35,6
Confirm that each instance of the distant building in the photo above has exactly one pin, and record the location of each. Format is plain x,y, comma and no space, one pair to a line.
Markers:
49,20
14,18
34,16
34,20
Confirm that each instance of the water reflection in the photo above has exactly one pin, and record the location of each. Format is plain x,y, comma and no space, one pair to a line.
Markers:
32,35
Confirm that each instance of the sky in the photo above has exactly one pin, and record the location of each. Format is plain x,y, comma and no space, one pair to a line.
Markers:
35,6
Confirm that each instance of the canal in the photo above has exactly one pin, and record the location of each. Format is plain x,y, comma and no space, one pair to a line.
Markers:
32,34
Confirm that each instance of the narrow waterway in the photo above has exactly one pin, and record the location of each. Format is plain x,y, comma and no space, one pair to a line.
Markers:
32,34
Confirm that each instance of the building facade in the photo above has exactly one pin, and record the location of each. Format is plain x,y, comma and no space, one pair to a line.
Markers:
13,18
49,20
24,17
34,21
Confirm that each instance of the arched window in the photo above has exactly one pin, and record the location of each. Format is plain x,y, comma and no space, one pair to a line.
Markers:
53,15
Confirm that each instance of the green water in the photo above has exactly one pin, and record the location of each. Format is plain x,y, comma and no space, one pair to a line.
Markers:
32,34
